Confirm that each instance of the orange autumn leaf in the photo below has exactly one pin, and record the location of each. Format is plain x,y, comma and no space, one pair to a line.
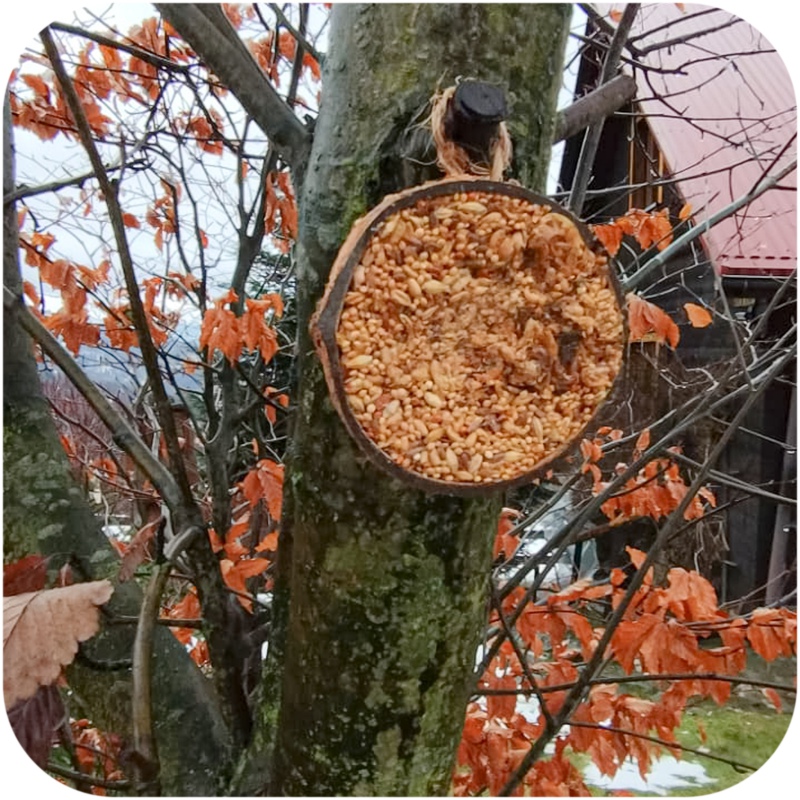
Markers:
40,88
235,575
643,442
773,698
648,322
265,482
591,451
504,542
220,329
269,544
655,229
647,227
767,635
685,212
311,63
130,221
699,317
610,236
207,139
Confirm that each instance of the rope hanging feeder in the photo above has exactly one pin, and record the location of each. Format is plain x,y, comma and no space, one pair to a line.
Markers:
470,329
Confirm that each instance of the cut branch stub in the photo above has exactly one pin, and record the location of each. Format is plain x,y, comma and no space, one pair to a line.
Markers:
469,332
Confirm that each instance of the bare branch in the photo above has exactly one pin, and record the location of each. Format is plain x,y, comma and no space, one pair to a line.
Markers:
598,104
146,767
670,745
139,52
592,139
124,435
299,37
90,780
22,192
663,257
210,34
139,316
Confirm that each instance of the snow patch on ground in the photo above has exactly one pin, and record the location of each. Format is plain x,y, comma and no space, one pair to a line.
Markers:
666,775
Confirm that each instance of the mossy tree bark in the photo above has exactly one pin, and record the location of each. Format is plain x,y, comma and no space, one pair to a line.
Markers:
384,588
44,511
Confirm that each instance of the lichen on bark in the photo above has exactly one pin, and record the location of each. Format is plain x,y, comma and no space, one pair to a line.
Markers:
45,512
386,585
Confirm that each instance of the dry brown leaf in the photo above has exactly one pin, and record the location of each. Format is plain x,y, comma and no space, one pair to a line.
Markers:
41,632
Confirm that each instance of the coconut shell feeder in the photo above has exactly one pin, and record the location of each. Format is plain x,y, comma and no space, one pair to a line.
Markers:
471,329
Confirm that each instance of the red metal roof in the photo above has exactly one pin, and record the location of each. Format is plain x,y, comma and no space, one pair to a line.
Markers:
723,110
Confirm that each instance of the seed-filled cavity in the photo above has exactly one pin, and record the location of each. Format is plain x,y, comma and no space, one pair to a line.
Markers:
478,336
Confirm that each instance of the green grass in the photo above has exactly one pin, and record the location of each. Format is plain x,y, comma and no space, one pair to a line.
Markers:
747,729
744,736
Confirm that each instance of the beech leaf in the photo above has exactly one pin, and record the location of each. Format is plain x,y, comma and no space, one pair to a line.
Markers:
41,632
35,720
29,574
699,317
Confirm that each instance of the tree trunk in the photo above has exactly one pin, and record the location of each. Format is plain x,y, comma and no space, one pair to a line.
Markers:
385,586
44,511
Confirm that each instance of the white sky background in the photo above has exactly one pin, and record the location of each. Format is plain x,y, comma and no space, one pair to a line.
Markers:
776,19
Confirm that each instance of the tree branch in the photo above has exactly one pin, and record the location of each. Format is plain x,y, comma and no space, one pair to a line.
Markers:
124,435
678,676
672,522
146,765
299,37
595,106
591,140
23,191
209,33
79,777
107,41
661,258
138,315
655,739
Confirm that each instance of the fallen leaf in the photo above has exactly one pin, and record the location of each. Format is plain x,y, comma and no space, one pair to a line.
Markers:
41,632
773,698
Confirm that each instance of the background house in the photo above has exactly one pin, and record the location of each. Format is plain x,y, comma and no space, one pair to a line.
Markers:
715,113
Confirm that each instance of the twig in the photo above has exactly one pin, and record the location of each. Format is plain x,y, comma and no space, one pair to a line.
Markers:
678,676
80,777
144,55
661,258
548,717
299,37
139,319
736,483
124,435
671,745
23,191
217,44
